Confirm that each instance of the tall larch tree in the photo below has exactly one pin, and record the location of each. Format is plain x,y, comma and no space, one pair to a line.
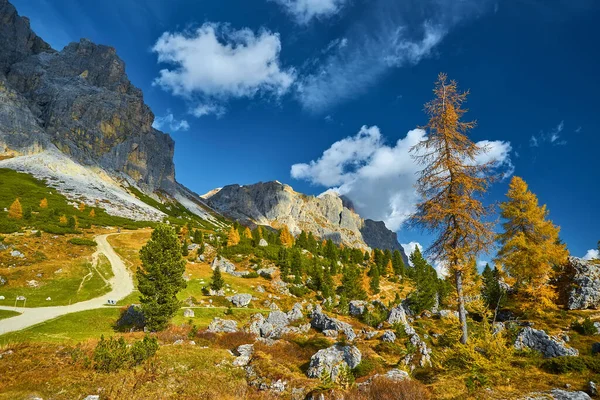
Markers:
529,247
286,238
15,211
160,277
44,203
449,185
233,236
247,233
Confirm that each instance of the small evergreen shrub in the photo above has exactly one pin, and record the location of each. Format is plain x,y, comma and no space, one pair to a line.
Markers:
585,328
299,291
251,275
564,364
113,354
82,242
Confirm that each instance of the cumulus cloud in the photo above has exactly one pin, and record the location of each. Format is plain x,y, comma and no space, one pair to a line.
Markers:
169,123
378,178
215,63
304,11
202,109
409,248
389,34
592,254
553,137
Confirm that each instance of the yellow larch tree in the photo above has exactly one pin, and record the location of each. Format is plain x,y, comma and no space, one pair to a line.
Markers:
247,233
529,247
449,186
92,213
15,211
233,237
63,220
286,237
44,203
81,206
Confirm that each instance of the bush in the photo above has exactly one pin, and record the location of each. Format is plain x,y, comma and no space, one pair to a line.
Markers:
367,366
299,291
251,275
82,242
566,364
113,354
8,227
585,328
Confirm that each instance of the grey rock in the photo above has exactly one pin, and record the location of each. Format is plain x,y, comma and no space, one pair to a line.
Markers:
498,327
256,321
267,272
332,360
592,388
224,265
278,386
560,394
278,319
245,353
189,313
222,325
323,322
295,313
357,307
17,254
377,236
3,281
260,289
263,243
92,397
394,375
240,299
585,284
539,340
330,333
388,336
397,316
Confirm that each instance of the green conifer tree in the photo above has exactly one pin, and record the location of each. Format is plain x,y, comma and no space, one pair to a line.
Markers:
160,277
426,284
352,283
491,291
398,264
374,282
217,281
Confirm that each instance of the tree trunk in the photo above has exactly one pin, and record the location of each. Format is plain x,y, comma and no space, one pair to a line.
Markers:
462,314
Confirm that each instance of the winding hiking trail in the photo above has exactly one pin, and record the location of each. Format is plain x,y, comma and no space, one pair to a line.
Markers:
121,284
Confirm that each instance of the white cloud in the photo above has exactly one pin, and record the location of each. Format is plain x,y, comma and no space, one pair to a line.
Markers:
304,11
168,122
202,109
389,34
215,63
378,178
409,248
592,254
439,266
553,137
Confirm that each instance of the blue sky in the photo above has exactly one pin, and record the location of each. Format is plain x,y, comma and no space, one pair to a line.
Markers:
250,89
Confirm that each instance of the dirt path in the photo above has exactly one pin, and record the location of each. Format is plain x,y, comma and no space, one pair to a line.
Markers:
121,283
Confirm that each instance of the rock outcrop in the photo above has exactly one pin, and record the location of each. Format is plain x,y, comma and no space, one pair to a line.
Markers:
539,340
332,361
584,290
323,322
219,325
326,216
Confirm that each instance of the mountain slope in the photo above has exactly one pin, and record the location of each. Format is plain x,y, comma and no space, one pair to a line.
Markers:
327,216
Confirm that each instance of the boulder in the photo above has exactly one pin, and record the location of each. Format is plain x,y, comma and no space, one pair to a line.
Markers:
17,254
224,265
388,336
323,322
296,312
592,388
560,394
357,307
539,340
240,299
262,243
330,361
222,325
397,316
256,321
394,375
220,292
278,319
260,289
267,272
188,313
3,281
585,284
245,353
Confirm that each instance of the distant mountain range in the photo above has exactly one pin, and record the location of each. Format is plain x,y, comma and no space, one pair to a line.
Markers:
73,118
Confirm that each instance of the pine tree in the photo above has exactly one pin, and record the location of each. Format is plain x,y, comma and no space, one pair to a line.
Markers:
296,266
529,247
492,293
426,284
233,237
217,281
327,284
15,211
311,243
374,282
330,250
352,284
247,233
449,185
160,277
286,238
184,248
72,222
302,240
44,203
398,264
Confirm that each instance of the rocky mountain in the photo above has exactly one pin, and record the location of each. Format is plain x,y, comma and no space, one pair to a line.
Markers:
73,118
327,216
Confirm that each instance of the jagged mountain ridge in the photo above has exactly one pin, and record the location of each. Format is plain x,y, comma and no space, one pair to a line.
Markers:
328,216
74,119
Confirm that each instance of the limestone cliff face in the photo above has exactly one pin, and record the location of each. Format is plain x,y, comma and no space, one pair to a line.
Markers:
326,216
81,101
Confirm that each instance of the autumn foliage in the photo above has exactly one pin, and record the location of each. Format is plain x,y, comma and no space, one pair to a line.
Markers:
449,184
233,237
530,247
286,238
44,203
247,233
15,211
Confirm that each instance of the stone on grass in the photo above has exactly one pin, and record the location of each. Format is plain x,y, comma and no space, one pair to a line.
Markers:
189,313
332,360
262,243
539,340
222,325
357,307
389,336
224,265
240,299
245,352
324,322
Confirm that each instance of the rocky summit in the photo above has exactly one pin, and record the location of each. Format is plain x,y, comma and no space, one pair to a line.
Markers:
327,216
